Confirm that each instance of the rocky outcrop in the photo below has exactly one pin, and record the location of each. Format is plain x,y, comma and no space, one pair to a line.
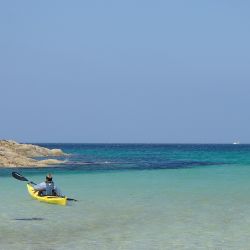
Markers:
13,154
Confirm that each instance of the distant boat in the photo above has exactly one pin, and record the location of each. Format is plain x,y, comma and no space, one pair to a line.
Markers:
236,142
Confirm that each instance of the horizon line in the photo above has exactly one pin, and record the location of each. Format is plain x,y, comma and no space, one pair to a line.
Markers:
163,143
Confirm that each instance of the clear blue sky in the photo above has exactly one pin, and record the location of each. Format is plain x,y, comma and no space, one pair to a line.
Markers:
125,71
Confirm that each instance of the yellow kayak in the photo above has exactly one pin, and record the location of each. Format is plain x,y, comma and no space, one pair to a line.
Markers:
48,199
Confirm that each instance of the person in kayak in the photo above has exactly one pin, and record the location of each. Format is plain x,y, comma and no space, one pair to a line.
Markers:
47,187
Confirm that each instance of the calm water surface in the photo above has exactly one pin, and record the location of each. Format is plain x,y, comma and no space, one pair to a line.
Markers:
134,197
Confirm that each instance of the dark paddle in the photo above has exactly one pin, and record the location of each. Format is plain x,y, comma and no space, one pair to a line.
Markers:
22,178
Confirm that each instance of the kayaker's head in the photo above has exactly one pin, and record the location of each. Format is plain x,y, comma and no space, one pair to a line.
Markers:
49,178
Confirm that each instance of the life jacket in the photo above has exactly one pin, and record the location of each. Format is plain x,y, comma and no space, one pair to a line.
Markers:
50,188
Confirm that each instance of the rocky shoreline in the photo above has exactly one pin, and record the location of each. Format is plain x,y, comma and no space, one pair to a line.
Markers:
13,154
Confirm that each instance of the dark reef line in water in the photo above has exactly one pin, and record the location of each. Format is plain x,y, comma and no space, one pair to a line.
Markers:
113,166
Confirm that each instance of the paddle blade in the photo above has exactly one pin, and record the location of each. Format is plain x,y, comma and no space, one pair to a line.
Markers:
19,176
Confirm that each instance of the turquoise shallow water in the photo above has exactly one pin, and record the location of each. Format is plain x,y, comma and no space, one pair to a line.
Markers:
178,205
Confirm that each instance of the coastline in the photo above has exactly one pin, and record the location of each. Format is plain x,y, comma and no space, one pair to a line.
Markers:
14,155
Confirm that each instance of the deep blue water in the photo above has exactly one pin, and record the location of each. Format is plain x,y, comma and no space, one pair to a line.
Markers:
106,157
120,157
92,157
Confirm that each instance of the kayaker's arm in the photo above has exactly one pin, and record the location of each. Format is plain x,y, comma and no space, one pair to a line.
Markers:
40,186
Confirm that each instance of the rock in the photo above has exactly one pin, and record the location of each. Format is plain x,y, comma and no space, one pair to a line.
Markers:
50,162
56,152
13,154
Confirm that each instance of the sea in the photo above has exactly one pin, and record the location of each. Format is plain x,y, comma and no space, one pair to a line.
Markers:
133,196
